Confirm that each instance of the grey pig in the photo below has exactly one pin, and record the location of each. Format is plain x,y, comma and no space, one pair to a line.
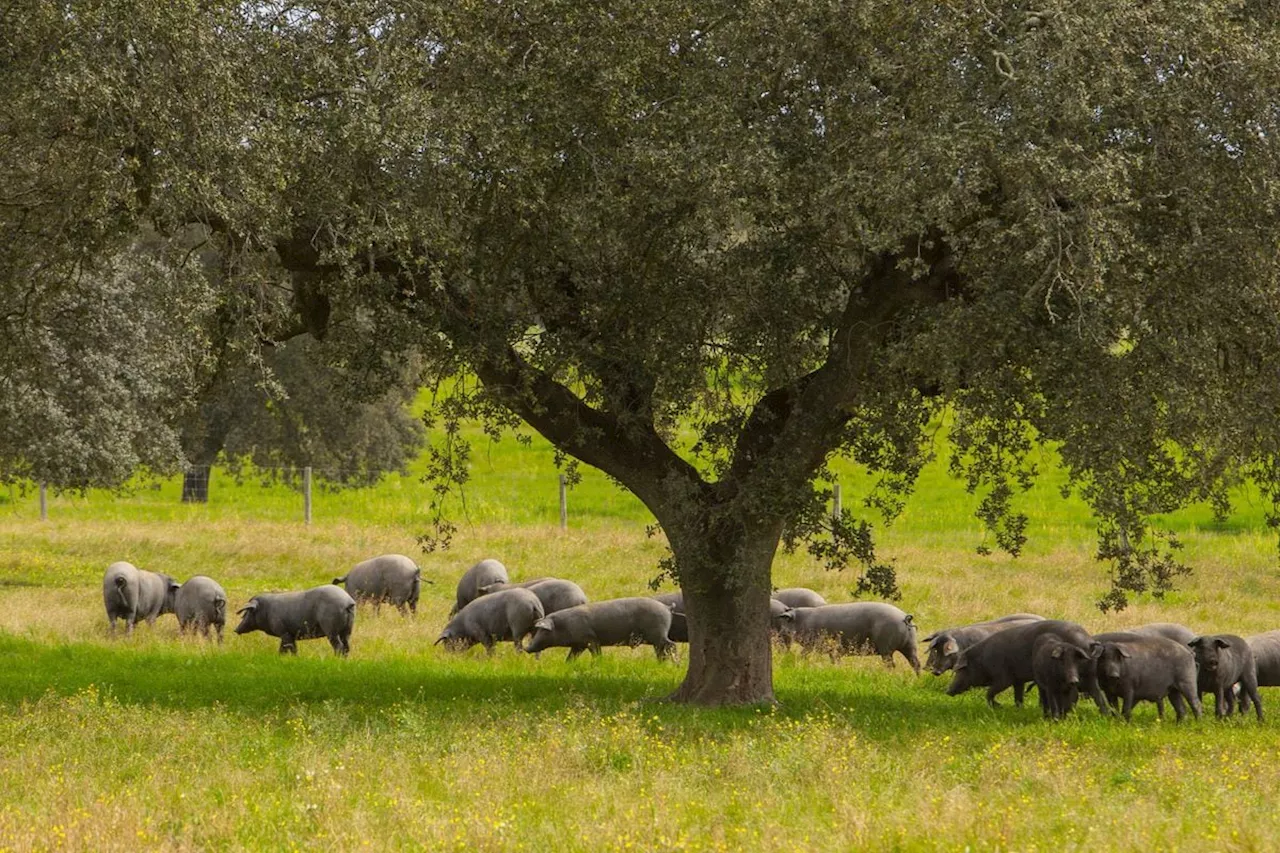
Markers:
1004,660
798,596
1222,661
1056,667
554,593
481,574
392,578
507,614
1136,667
679,632
945,645
862,627
201,602
323,611
616,622
1172,630
130,593
1266,657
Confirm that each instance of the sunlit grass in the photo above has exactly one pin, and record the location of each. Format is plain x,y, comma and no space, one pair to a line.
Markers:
175,743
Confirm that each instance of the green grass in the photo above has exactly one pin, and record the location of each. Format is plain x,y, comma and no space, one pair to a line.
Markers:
173,743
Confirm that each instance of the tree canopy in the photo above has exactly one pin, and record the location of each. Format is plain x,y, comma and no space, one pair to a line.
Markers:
798,230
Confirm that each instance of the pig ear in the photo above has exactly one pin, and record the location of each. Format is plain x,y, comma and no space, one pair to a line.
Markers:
1056,653
1095,651
174,585
1196,642
543,623
787,614
1124,653
950,647
1221,643
929,639
252,605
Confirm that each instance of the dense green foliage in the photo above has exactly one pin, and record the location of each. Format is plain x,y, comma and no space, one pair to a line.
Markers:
706,247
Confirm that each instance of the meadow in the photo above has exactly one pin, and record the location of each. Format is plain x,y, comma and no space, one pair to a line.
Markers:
162,742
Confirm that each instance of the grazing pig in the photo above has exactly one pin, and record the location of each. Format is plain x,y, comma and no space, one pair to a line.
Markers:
1004,660
1136,667
323,611
1057,666
130,593
945,645
862,627
617,622
392,578
201,602
679,631
554,593
481,574
507,614
1223,661
1266,657
1172,630
798,596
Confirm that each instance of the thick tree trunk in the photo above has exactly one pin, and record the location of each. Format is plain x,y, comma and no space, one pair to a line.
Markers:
195,481
726,598
195,484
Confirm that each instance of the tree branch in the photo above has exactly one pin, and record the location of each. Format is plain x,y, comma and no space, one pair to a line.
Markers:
792,429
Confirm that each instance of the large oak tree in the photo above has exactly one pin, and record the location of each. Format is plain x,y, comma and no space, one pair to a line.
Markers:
704,247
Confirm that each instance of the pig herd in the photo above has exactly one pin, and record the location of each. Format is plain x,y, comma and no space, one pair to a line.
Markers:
1148,663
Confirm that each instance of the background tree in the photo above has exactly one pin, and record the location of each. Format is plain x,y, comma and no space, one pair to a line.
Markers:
281,395
798,231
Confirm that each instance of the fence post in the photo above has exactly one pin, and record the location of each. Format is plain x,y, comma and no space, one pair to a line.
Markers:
564,505
44,501
837,506
306,494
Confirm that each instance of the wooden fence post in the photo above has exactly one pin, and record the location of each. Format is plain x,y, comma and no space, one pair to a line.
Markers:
564,504
44,501
837,506
306,494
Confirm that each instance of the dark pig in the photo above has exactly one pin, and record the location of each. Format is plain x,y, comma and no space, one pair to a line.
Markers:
945,646
130,593
616,622
323,611
507,614
201,603
798,596
1222,662
1172,630
1056,666
481,574
1004,660
554,593
1148,667
1266,657
393,578
862,627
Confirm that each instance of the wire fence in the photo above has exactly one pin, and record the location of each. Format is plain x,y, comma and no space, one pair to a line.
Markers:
301,481
196,484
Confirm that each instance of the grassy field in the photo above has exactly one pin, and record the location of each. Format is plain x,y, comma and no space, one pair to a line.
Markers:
170,743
